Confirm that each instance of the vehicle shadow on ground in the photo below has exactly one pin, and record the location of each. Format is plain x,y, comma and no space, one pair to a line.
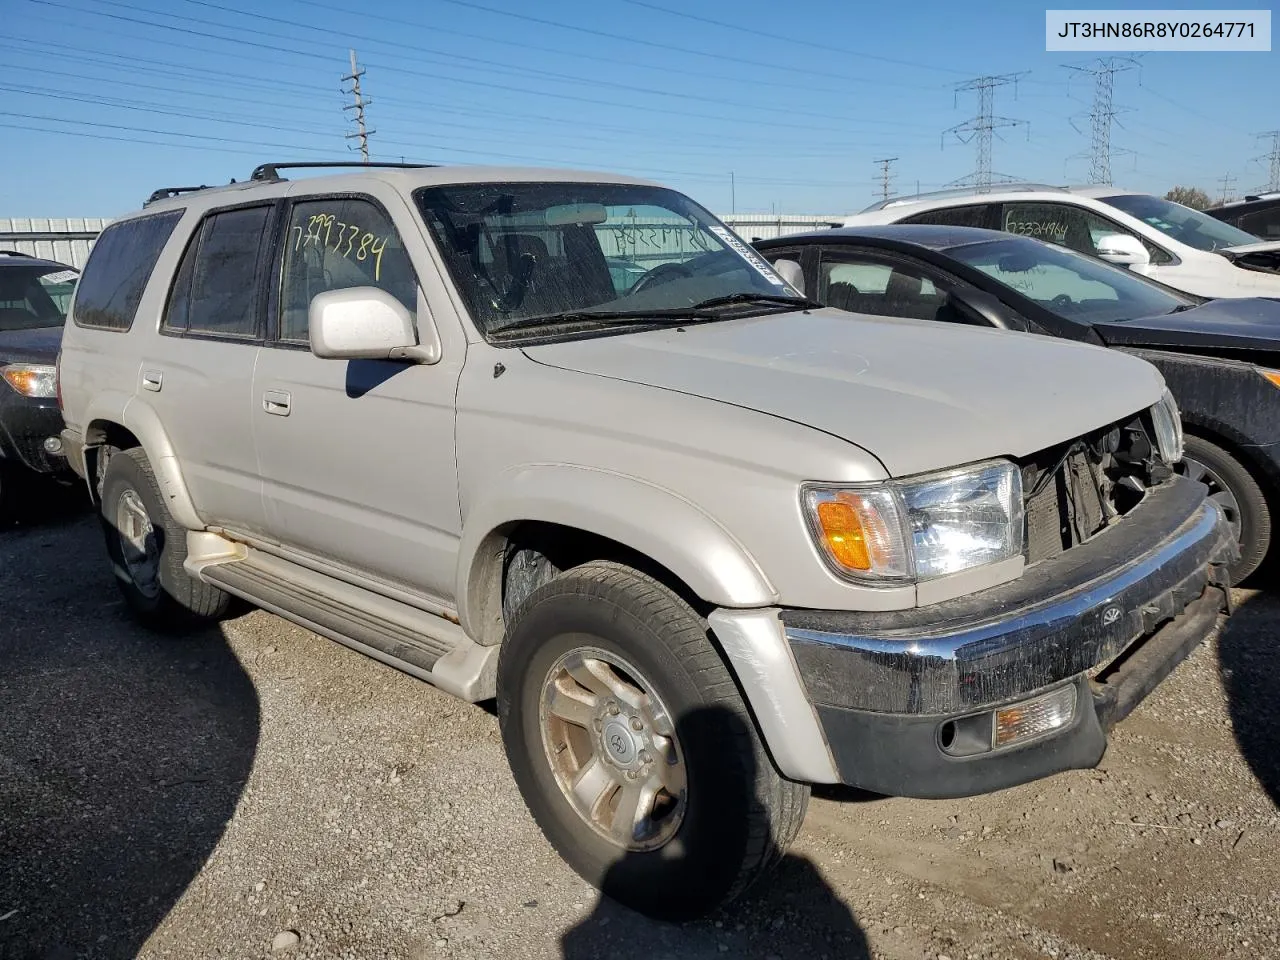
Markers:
40,502
123,753
789,912
1249,657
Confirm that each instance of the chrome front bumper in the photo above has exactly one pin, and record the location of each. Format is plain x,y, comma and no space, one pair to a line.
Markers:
1062,618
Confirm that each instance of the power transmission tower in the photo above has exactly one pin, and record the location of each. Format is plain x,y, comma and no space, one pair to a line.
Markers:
358,106
885,177
982,127
1102,115
1227,181
1272,157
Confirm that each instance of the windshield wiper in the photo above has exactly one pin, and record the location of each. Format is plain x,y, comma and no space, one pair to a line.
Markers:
661,315
799,303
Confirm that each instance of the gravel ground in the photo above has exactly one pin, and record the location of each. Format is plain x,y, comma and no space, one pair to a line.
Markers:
257,791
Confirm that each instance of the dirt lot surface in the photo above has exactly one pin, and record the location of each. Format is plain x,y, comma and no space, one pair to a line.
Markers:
257,791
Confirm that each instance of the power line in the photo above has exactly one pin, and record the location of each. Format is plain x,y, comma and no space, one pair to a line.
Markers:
1272,157
489,66
401,22
981,128
884,176
778,38
358,105
1103,114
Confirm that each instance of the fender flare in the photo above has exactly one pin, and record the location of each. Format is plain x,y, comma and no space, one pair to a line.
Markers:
652,520
140,419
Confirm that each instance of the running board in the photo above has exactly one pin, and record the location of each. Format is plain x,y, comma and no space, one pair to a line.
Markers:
419,643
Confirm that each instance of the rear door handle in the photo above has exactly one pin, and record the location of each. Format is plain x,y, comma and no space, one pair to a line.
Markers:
276,402
152,380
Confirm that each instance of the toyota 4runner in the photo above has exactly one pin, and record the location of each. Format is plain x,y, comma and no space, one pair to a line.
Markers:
565,440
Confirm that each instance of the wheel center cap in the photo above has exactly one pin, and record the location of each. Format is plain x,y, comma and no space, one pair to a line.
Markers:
619,744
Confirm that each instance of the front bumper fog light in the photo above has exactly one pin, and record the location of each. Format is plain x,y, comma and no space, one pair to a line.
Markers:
1034,718
53,445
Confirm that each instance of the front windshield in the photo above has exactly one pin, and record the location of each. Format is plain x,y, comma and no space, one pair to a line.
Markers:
32,296
523,251
1067,283
1185,225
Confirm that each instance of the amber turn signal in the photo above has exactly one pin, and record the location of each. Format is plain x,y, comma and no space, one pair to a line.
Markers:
843,533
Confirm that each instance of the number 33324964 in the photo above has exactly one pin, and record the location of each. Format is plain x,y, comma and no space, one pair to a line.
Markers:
344,239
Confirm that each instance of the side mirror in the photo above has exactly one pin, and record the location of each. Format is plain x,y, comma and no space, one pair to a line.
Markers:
1123,250
365,323
984,310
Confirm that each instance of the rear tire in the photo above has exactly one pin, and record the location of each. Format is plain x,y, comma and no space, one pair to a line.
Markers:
147,548
1237,492
720,813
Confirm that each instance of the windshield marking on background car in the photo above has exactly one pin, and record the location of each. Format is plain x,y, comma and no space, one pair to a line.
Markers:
738,247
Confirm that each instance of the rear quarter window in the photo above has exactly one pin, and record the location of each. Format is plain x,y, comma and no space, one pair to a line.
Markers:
116,275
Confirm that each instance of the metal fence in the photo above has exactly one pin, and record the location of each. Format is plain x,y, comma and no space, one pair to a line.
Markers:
65,239
766,226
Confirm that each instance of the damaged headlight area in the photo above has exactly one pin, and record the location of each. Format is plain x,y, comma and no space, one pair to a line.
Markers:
918,528
31,379
1167,422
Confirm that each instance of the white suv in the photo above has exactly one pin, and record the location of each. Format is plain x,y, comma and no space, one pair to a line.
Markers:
1165,241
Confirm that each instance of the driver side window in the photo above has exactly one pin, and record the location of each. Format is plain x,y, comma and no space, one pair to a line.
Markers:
334,244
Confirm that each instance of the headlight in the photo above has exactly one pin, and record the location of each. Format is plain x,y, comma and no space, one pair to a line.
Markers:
1168,424
920,528
31,379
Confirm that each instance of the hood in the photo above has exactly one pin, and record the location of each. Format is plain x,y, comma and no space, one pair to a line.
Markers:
918,395
1263,255
40,345
1251,323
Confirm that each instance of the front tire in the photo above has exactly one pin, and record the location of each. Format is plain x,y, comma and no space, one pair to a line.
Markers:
1235,490
633,748
147,548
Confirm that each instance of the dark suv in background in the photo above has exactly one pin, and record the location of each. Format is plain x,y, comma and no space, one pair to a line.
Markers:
34,296
1259,215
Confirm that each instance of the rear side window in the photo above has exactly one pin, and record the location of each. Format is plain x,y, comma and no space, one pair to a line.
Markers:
118,270
978,215
215,292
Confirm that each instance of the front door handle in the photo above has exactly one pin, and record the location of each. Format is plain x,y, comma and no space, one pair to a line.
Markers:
152,380
276,402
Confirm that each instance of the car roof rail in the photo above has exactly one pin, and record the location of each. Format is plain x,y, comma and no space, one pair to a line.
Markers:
1014,187
270,171
15,253
164,193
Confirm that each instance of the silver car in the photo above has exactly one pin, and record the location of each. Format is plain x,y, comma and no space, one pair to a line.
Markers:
706,542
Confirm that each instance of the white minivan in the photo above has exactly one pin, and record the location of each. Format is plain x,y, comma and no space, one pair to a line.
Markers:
1178,246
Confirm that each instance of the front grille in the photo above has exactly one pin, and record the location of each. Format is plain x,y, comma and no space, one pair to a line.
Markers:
1079,488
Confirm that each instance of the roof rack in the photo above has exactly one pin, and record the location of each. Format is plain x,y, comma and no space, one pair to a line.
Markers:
1015,187
269,171
164,193
15,253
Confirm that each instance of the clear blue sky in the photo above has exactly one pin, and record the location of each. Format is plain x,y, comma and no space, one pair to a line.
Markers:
106,100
